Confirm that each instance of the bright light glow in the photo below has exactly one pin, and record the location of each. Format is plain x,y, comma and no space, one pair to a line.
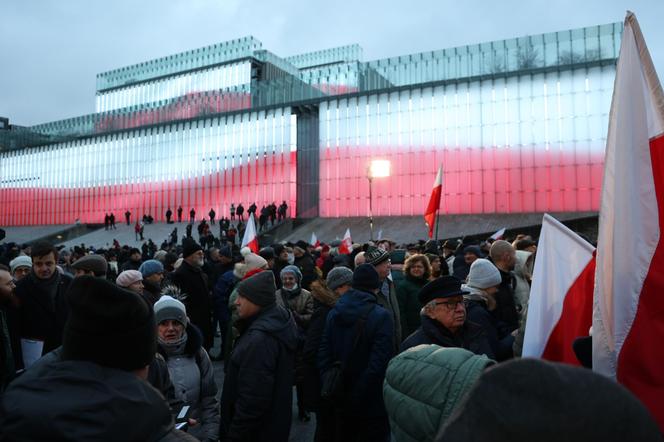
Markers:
379,169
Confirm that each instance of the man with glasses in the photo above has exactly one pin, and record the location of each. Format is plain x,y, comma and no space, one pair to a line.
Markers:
444,319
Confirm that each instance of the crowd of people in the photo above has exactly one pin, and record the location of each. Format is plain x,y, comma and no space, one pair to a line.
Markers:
410,342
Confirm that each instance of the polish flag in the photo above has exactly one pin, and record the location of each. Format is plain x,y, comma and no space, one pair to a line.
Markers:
250,239
346,244
628,319
434,201
314,240
499,234
561,295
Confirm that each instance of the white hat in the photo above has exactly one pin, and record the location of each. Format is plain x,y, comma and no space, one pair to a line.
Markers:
20,261
483,274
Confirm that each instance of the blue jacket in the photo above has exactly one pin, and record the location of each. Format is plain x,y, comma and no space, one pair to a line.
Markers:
365,368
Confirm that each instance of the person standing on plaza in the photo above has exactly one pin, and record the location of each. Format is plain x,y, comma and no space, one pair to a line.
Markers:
359,338
169,213
212,214
240,212
107,221
43,306
256,400
111,220
417,271
387,295
179,214
232,212
127,215
192,216
192,281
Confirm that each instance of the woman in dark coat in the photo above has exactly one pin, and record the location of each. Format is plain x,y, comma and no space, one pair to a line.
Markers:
417,271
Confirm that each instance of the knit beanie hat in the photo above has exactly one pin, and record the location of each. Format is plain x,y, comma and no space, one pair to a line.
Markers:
108,325
375,255
20,261
260,289
150,267
128,277
189,247
92,263
339,276
160,255
291,269
170,308
251,262
266,253
483,274
365,278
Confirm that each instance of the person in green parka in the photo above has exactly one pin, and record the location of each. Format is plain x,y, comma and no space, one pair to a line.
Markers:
417,271
424,385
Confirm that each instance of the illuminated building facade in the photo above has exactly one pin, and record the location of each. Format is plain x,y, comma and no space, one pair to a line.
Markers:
519,126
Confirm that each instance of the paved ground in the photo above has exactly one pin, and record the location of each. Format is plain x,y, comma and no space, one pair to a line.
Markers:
300,431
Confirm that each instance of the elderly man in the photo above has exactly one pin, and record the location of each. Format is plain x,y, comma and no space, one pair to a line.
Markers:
503,257
256,401
444,319
192,281
43,307
387,295
20,267
93,265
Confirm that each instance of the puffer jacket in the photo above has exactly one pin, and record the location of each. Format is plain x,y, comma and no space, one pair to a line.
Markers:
192,376
424,385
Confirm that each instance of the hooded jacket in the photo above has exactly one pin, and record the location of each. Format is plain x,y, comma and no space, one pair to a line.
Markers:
256,401
366,364
80,400
497,333
423,387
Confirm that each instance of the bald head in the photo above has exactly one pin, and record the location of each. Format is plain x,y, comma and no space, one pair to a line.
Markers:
360,259
503,255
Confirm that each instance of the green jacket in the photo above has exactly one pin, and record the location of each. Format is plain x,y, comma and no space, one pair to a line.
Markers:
424,384
409,304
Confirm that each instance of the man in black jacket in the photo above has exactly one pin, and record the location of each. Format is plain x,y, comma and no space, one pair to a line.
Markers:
257,395
109,342
192,281
43,307
444,320
9,336
503,257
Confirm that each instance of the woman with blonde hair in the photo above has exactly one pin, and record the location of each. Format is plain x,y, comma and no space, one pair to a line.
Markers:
417,271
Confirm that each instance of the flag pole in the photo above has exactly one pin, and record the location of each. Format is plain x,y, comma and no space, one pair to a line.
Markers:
437,223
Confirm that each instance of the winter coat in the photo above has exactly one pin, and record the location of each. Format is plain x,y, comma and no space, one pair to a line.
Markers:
300,303
80,400
391,304
10,345
365,365
151,292
324,300
192,281
424,385
192,376
308,268
39,317
498,333
470,336
256,400
409,305
506,309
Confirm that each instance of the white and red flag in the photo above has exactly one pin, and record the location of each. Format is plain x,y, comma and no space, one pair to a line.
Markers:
499,234
434,201
561,295
346,244
250,239
314,240
628,314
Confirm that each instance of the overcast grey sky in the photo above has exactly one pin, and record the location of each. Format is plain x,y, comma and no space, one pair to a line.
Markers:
50,51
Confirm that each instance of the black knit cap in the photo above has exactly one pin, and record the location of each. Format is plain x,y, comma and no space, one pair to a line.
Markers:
108,325
375,255
443,287
260,289
189,247
366,278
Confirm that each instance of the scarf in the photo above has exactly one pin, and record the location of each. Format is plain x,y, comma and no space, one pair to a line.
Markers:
175,348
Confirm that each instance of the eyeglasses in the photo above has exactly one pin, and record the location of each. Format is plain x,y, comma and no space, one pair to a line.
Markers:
452,305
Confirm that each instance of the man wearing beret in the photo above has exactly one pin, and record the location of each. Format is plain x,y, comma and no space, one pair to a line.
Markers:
192,281
444,319
93,388
256,401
